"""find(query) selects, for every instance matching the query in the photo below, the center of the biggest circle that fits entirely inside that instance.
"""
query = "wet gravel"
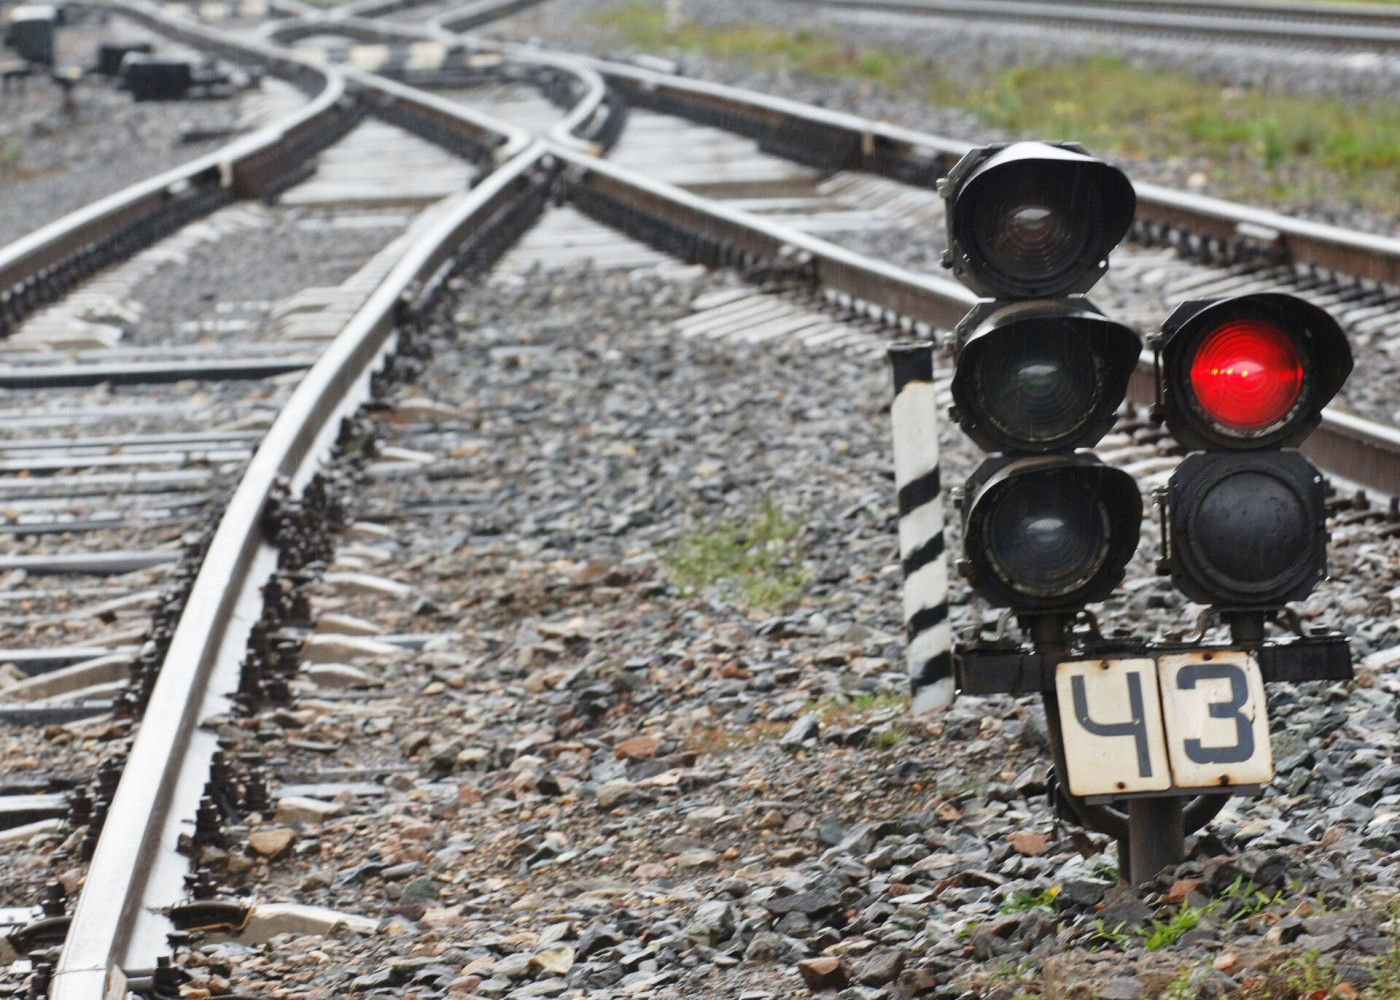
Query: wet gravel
(591, 783)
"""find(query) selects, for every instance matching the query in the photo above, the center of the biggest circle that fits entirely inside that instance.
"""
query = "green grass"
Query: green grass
(1026, 900)
(888, 736)
(842, 705)
(1304, 147)
(1165, 933)
(802, 51)
(11, 155)
(757, 560)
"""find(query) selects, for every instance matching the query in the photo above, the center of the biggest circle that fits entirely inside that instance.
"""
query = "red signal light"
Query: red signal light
(1247, 374)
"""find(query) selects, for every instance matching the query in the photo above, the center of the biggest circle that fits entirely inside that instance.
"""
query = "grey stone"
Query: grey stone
(373, 980)
(1122, 907)
(806, 903)
(1122, 988)
(516, 966)
(769, 946)
(1083, 891)
(714, 922)
(805, 728)
(596, 938)
(421, 890)
(880, 968)
(397, 873)
(830, 831)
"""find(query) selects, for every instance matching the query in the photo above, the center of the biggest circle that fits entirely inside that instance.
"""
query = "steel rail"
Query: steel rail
(841, 141)
(888, 289)
(1325, 12)
(863, 144)
(1346, 446)
(1360, 451)
(48, 249)
(143, 810)
(589, 115)
(143, 815)
(142, 806)
(473, 15)
(109, 904)
(1241, 23)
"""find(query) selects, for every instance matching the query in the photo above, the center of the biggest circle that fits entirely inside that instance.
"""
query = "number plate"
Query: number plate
(1185, 721)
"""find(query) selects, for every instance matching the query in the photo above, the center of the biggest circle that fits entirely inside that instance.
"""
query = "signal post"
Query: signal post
(1149, 737)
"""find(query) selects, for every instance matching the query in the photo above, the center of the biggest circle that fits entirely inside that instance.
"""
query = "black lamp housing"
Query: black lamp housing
(1034, 219)
(1040, 376)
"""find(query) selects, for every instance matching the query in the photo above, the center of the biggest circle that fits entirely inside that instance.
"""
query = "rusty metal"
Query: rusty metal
(226, 915)
(935, 301)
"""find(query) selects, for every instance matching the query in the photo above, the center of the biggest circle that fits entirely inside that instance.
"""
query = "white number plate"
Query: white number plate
(1186, 721)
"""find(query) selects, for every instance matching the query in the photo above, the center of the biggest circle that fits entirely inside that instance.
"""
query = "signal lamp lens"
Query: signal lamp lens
(1248, 530)
(1048, 540)
(1031, 220)
(1050, 533)
(1247, 375)
(1032, 228)
(1040, 376)
(1041, 390)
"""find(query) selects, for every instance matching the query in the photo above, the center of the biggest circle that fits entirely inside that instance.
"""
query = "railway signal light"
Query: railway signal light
(1046, 534)
(1047, 527)
(1242, 379)
(1040, 376)
(1034, 219)
(1040, 372)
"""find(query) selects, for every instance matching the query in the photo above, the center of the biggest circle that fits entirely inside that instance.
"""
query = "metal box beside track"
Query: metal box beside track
(30, 32)
(153, 78)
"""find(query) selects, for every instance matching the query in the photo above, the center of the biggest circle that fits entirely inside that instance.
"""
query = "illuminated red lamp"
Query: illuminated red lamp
(1242, 381)
(1250, 372)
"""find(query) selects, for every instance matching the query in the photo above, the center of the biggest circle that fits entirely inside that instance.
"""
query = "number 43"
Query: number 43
(1180, 721)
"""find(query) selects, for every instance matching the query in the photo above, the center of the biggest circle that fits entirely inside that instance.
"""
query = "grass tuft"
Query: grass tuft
(757, 561)
(1252, 143)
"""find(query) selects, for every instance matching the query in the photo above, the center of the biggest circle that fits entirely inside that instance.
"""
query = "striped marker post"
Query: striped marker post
(927, 630)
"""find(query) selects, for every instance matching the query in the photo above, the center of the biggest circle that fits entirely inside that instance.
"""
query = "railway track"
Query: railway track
(1373, 27)
(807, 295)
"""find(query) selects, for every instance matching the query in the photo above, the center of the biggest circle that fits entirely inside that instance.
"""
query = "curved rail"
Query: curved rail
(1355, 449)
(108, 906)
(589, 123)
(33, 269)
(143, 806)
(145, 813)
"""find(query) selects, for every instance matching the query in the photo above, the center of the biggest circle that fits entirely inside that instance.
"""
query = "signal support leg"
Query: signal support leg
(1156, 837)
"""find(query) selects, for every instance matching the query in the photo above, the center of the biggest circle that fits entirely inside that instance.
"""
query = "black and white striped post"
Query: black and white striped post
(922, 557)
